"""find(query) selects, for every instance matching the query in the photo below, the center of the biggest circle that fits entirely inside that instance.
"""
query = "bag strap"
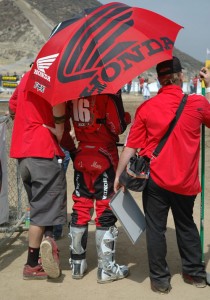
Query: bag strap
(171, 126)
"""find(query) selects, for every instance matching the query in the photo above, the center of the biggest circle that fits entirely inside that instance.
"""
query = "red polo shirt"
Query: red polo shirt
(29, 137)
(176, 167)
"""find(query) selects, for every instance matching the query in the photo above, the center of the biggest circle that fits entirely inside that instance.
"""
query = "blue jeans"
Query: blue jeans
(66, 160)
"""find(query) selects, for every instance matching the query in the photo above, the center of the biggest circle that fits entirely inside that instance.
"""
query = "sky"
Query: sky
(193, 15)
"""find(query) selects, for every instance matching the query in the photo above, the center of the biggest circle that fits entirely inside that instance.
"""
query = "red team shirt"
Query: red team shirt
(98, 119)
(176, 167)
(30, 138)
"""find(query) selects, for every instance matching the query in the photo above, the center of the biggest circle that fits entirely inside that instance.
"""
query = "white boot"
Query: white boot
(78, 267)
(77, 262)
(108, 270)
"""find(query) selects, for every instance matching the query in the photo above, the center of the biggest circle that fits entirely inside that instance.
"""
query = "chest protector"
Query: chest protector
(87, 115)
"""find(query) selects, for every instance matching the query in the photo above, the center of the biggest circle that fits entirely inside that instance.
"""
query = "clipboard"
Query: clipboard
(129, 214)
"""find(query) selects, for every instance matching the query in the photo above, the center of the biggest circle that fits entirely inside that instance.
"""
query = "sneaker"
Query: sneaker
(197, 281)
(78, 267)
(50, 257)
(36, 272)
(161, 288)
(113, 272)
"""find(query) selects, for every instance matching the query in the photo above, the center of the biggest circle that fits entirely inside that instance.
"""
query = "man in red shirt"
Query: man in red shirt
(40, 162)
(174, 181)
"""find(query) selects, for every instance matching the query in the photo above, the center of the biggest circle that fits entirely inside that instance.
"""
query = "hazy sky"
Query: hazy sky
(193, 15)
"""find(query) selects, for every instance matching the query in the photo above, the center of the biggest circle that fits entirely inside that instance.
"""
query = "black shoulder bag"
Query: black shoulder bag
(137, 171)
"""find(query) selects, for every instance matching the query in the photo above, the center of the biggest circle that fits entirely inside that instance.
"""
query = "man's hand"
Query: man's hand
(125, 156)
(52, 129)
(205, 76)
(117, 185)
(57, 131)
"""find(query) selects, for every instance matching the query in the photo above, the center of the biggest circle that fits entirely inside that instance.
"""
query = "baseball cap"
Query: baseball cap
(169, 66)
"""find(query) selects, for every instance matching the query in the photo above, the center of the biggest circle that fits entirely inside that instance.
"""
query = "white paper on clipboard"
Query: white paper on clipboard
(129, 214)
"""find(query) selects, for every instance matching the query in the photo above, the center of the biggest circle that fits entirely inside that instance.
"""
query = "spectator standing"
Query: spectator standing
(192, 88)
(129, 85)
(174, 181)
(67, 145)
(40, 162)
(141, 83)
(146, 90)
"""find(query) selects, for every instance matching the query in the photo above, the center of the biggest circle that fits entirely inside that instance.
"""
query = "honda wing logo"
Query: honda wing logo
(43, 64)
(99, 49)
(83, 56)
(92, 54)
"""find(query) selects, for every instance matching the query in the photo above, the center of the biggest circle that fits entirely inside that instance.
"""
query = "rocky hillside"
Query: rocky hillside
(25, 26)
(57, 11)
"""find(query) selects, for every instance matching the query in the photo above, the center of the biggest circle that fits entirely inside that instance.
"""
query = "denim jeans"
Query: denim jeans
(66, 159)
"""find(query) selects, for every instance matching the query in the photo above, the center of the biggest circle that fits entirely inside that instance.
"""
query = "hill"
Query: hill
(26, 24)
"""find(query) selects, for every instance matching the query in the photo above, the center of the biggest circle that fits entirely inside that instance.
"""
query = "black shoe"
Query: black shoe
(197, 281)
(161, 287)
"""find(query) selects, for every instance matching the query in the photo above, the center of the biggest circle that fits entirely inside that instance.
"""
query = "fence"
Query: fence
(16, 195)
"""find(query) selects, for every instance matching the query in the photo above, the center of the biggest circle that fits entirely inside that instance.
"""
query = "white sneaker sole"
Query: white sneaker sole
(50, 266)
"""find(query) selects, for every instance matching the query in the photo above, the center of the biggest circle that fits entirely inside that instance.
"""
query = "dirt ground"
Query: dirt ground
(136, 286)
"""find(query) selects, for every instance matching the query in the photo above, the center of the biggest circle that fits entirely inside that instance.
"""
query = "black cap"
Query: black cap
(169, 67)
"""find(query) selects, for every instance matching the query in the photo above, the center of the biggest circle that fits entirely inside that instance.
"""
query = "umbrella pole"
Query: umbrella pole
(203, 192)
(202, 198)
(202, 180)
(203, 92)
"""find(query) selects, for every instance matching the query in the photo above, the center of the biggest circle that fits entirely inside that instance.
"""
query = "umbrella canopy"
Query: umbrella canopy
(100, 52)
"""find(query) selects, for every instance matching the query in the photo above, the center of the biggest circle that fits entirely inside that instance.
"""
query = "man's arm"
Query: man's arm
(59, 113)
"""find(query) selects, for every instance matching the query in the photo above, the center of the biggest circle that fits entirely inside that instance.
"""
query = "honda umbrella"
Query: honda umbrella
(100, 52)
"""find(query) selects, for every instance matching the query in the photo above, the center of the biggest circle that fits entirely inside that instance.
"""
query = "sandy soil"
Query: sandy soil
(136, 286)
